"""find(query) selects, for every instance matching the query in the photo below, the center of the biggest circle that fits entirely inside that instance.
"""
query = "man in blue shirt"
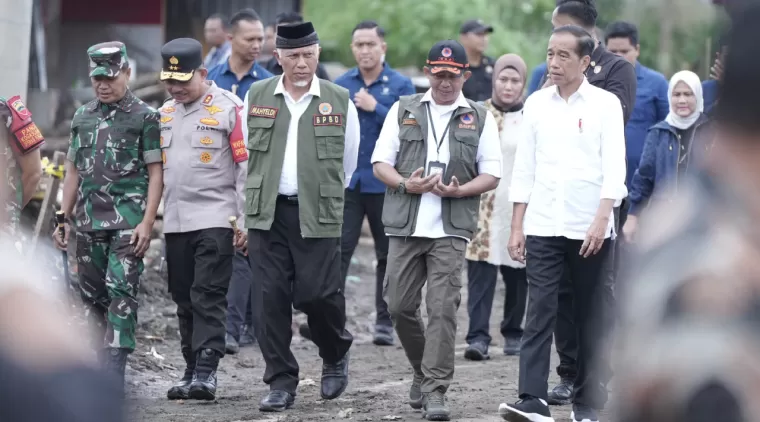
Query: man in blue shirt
(241, 70)
(536, 76)
(236, 75)
(374, 87)
(652, 103)
(215, 33)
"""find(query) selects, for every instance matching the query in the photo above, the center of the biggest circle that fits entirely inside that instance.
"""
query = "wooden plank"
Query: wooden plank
(47, 209)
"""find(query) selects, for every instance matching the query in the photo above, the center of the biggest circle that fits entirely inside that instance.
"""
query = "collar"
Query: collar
(582, 90)
(356, 74)
(460, 102)
(252, 71)
(313, 89)
(123, 104)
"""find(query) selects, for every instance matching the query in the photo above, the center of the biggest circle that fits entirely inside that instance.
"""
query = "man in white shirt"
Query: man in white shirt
(437, 153)
(303, 141)
(569, 174)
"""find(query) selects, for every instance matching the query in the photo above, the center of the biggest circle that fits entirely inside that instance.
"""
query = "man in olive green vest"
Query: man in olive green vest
(303, 142)
(437, 153)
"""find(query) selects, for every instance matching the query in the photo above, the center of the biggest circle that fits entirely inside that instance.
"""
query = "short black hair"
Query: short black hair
(622, 29)
(370, 24)
(585, 45)
(221, 17)
(584, 11)
(288, 17)
(737, 92)
(248, 15)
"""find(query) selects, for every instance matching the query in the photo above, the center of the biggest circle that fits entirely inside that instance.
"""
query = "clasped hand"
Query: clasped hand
(432, 183)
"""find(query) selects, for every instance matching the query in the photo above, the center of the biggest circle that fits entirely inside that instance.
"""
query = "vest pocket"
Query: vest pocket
(411, 149)
(329, 144)
(464, 213)
(165, 142)
(397, 207)
(260, 133)
(466, 148)
(330, 203)
(253, 194)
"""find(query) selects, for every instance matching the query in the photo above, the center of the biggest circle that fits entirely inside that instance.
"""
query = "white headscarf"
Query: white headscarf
(692, 80)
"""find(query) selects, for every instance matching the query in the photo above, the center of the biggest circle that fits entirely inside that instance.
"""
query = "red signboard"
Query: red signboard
(112, 12)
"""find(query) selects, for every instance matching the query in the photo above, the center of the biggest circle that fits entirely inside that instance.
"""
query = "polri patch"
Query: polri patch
(266, 112)
(328, 120)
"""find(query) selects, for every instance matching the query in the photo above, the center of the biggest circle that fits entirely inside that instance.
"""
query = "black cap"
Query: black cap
(475, 25)
(296, 35)
(447, 56)
(181, 57)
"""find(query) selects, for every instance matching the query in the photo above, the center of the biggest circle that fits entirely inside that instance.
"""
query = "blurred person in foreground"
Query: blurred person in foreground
(273, 65)
(374, 88)
(473, 35)
(215, 32)
(111, 191)
(690, 298)
(487, 253)
(672, 148)
(47, 372)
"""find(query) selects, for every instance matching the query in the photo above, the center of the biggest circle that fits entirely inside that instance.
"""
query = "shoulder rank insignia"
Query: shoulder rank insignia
(166, 119)
(168, 110)
(208, 99)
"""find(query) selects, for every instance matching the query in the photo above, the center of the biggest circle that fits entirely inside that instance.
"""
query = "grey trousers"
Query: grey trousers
(413, 261)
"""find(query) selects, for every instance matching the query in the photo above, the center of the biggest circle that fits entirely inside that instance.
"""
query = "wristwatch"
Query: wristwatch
(401, 187)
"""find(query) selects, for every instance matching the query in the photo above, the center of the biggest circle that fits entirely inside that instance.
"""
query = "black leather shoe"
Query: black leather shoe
(304, 331)
(231, 345)
(477, 351)
(334, 378)
(247, 338)
(383, 336)
(276, 401)
(203, 386)
(181, 390)
(115, 363)
(512, 346)
(562, 394)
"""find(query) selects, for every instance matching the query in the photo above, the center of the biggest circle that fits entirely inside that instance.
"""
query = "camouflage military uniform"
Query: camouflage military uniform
(111, 145)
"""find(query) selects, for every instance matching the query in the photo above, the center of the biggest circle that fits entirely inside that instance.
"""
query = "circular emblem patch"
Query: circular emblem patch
(325, 108)
(205, 158)
(446, 52)
(466, 118)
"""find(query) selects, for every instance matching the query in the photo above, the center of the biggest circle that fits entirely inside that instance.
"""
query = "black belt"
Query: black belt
(290, 199)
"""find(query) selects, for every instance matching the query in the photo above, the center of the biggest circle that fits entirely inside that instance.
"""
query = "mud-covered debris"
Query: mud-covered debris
(391, 418)
(346, 413)
(308, 382)
(154, 353)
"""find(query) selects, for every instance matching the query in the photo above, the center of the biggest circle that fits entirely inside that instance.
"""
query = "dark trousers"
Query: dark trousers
(481, 287)
(547, 259)
(200, 267)
(298, 272)
(358, 205)
(239, 297)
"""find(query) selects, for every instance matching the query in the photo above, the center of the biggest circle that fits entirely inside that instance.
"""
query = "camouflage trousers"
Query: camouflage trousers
(109, 277)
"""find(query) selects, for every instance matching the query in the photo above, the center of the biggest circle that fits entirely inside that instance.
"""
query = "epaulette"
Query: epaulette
(234, 98)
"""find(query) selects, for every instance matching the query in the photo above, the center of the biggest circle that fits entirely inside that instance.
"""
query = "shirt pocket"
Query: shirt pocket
(330, 142)
(85, 129)
(260, 133)
(122, 152)
(206, 149)
(411, 148)
(165, 141)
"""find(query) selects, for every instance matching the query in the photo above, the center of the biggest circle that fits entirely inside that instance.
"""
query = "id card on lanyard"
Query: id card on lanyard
(437, 167)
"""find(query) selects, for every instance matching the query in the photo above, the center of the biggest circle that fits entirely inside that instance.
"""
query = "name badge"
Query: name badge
(328, 120)
(436, 167)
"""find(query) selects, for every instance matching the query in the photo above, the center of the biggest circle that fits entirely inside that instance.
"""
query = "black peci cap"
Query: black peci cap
(448, 56)
(181, 57)
(476, 26)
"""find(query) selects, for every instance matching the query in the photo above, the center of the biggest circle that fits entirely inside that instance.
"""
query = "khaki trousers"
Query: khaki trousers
(412, 261)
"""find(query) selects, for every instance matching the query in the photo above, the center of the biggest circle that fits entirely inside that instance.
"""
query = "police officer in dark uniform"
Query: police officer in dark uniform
(473, 35)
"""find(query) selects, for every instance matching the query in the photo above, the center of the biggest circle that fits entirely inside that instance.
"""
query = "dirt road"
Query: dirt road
(379, 376)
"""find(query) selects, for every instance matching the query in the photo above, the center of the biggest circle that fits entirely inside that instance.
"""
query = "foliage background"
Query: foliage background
(520, 26)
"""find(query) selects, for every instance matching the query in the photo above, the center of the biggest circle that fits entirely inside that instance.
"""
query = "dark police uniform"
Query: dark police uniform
(480, 85)
(205, 163)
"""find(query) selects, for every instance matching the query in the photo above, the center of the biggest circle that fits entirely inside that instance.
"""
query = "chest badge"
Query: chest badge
(597, 69)
(325, 108)
(206, 140)
(208, 99)
(385, 78)
(209, 121)
(168, 109)
(205, 158)
(489, 69)
(266, 112)
(212, 109)
(166, 119)
(386, 90)
(467, 120)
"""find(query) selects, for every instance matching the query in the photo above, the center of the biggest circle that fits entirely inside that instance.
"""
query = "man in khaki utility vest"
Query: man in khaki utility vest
(437, 153)
(204, 158)
(303, 142)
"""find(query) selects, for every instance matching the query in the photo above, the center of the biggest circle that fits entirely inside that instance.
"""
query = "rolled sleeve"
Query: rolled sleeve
(489, 149)
(524, 171)
(151, 138)
(351, 144)
(613, 153)
(387, 145)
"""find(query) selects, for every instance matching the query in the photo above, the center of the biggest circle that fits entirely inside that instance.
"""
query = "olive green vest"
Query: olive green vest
(321, 140)
(459, 215)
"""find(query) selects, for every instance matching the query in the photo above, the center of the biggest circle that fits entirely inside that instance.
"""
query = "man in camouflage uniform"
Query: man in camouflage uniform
(21, 171)
(113, 185)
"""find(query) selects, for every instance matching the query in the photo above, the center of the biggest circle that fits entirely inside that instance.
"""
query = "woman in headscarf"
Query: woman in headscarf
(671, 148)
(487, 253)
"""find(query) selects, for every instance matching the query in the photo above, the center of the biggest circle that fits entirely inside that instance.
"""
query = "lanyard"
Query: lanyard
(432, 128)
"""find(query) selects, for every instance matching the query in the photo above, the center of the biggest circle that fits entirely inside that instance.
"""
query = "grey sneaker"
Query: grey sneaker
(415, 392)
(435, 407)
(477, 351)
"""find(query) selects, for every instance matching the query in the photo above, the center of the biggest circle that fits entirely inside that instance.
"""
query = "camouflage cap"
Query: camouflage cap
(108, 59)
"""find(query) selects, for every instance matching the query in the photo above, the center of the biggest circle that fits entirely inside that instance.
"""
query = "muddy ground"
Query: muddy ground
(379, 376)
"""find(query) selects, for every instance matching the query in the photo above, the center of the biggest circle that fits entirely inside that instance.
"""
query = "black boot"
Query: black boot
(203, 386)
(115, 363)
(181, 390)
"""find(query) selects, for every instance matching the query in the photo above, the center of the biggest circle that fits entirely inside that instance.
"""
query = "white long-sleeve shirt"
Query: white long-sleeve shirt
(570, 156)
